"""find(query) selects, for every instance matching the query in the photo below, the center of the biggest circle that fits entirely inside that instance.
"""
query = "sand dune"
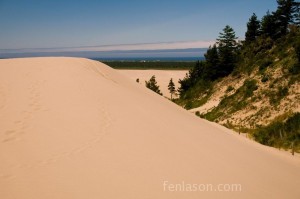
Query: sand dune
(74, 128)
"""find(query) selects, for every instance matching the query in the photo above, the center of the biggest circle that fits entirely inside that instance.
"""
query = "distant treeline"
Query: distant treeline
(160, 65)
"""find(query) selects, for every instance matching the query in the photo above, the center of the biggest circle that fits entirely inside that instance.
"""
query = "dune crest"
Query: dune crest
(74, 128)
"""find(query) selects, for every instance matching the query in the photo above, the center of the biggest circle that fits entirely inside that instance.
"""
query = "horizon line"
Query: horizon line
(119, 47)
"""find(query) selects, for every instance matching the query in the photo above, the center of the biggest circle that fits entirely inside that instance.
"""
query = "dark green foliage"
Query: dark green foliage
(280, 134)
(264, 64)
(276, 97)
(249, 87)
(212, 56)
(253, 29)
(227, 47)
(152, 85)
(297, 48)
(229, 89)
(171, 88)
(176, 65)
(295, 69)
(265, 78)
(212, 63)
(283, 15)
(268, 25)
(193, 77)
(220, 62)
(275, 25)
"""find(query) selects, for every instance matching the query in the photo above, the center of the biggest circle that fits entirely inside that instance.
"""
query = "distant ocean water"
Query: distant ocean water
(191, 54)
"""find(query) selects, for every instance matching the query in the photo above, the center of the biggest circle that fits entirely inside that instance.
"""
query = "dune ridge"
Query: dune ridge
(74, 128)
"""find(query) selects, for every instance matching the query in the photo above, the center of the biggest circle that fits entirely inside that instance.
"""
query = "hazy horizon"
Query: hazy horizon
(187, 54)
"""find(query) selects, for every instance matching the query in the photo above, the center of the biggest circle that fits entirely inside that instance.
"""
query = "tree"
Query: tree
(196, 72)
(171, 88)
(212, 56)
(227, 47)
(185, 85)
(284, 15)
(212, 63)
(253, 29)
(268, 25)
(152, 85)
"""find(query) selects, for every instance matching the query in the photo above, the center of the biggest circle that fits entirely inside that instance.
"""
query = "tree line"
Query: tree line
(222, 58)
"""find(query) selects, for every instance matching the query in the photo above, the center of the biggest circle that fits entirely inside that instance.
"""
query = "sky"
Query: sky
(56, 24)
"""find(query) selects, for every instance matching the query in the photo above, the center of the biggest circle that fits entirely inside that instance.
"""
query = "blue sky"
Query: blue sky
(74, 23)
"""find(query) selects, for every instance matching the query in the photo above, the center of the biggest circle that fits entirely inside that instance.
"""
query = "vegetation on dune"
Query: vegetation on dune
(268, 65)
(152, 85)
(281, 134)
(171, 88)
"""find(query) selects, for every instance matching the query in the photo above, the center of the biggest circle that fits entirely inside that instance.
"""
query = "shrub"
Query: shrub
(264, 79)
(264, 64)
(295, 69)
(229, 89)
(276, 97)
(250, 86)
(280, 134)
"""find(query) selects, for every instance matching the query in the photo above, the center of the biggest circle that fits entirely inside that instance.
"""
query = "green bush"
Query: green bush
(264, 64)
(229, 89)
(249, 87)
(276, 97)
(280, 134)
(264, 79)
(295, 69)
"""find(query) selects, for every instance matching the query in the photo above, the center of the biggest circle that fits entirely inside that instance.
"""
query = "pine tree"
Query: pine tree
(171, 88)
(196, 72)
(212, 56)
(185, 85)
(284, 15)
(152, 85)
(268, 25)
(212, 63)
(227, 47)
(253, 29)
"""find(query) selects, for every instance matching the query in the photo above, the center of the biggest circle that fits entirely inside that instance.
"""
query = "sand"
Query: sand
(73, 128)
(162, 77)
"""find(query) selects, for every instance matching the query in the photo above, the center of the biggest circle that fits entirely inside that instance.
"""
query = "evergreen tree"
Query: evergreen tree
(227, 47)
(253, 29)
(196, 72)
(212, 63)
(284, 15)
(152, 85)
(185, 85)
(268, 25)
(212, 56)
(171, 88)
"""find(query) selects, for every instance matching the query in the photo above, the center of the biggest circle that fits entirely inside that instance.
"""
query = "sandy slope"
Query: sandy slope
(162, 77)
(73, 128)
